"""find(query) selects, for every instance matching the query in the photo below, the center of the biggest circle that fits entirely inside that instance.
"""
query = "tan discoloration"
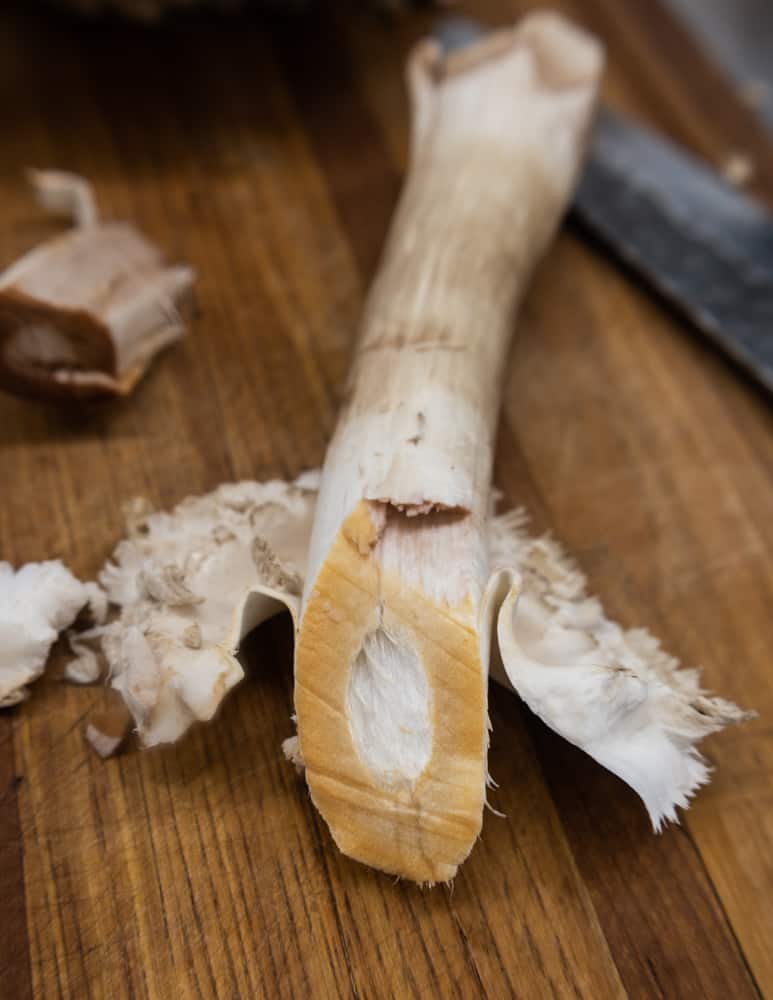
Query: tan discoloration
(192, 636)
(425, 831)
(363, 527)
(396, 340)
(86, 336)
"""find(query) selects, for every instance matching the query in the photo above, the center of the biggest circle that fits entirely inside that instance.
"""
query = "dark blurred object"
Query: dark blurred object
(738, 34)
(704, 246)
(153, 10)
(683, 228)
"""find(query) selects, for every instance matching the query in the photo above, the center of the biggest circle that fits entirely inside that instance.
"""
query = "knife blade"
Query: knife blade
(696, 240)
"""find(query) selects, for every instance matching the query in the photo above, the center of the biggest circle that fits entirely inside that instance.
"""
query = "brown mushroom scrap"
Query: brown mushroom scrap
(84, 314)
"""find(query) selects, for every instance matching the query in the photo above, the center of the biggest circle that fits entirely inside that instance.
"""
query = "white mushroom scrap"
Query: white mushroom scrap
(190, 585)
(37, 602)
(613, 692)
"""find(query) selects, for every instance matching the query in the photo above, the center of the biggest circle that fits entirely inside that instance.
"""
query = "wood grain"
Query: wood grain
(269, 156)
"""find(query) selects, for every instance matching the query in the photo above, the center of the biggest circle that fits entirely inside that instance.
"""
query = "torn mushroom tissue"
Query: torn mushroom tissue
(613, 692)
(189, 585)
(171, 652)
(37, 602)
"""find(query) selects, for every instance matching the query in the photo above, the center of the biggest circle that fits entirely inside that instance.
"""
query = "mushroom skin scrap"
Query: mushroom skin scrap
(613, 692)
(188, 586)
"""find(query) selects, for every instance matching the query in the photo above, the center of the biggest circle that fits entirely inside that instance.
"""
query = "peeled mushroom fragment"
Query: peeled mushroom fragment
(189, 586)
(84, 314)
(37, 602)
(613, 692)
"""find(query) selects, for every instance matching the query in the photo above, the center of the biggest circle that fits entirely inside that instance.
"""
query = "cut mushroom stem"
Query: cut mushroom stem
(84, 313)
(392, 651)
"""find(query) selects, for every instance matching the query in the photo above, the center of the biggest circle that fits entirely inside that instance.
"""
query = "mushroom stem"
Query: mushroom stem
(392, 657)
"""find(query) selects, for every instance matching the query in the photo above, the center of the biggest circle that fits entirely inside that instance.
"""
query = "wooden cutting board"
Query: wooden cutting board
(270, 157)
